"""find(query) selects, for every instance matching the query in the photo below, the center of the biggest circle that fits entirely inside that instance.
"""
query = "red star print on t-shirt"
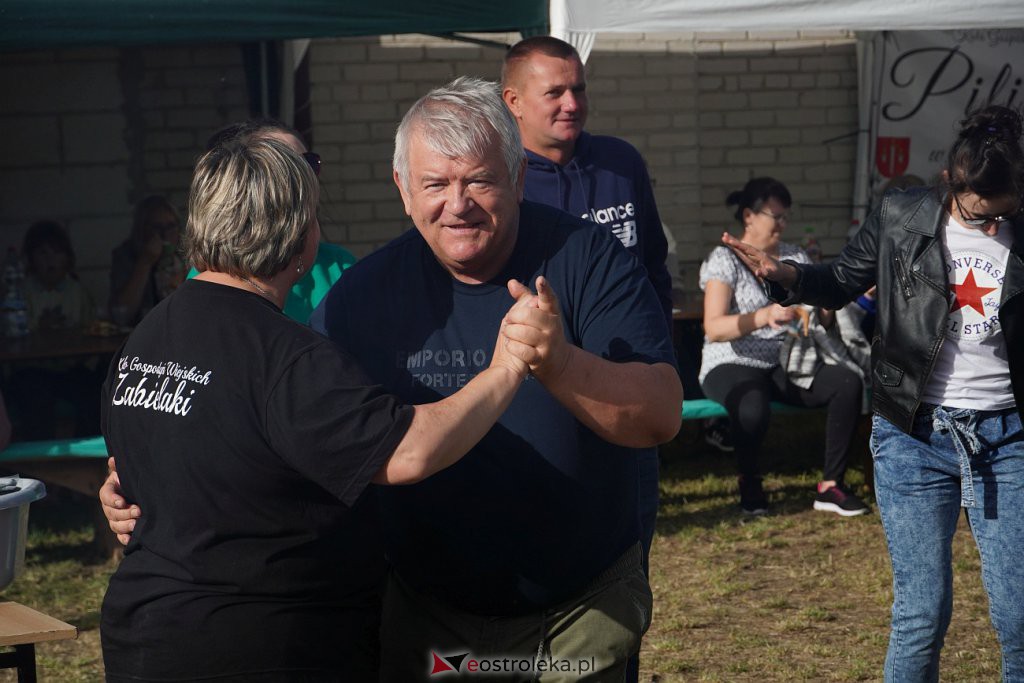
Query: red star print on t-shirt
(969, 294)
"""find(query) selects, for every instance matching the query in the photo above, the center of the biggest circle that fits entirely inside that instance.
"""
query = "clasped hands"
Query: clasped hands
(531, 335)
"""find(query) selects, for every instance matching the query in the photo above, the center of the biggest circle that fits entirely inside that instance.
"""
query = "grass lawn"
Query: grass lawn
(795, 596)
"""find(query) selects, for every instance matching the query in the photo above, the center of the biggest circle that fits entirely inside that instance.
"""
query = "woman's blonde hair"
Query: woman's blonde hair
(250, 208)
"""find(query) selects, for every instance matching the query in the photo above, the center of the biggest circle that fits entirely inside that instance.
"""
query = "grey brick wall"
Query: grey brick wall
(92, 131)
(780, 104)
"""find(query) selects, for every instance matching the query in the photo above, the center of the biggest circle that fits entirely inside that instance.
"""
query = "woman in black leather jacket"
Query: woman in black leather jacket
(947, 381)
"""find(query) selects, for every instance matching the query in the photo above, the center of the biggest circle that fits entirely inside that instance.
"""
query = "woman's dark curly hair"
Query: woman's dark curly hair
(756, 193)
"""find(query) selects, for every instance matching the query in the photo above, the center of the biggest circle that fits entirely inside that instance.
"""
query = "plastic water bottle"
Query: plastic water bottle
(812, 247)
(15, 308)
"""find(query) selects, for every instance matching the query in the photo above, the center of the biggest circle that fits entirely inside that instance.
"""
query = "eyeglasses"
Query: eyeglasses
(314, 161)
(981, 221)
(777, 217)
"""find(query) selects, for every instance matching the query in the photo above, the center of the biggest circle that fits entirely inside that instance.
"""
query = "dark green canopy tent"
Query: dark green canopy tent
(40, 24)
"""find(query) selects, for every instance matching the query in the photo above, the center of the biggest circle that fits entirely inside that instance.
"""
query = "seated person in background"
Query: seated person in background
(740, 366)
(331, 259)
(147, 266)
(56, 301)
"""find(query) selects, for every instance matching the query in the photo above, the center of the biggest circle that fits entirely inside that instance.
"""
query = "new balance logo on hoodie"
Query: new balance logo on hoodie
(620, 218)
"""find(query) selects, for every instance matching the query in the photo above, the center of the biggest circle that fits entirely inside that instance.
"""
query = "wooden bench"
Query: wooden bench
(21, 628)
(705, 408)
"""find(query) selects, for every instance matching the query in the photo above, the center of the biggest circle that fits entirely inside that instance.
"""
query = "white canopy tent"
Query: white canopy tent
(577, 21)
(640, 16)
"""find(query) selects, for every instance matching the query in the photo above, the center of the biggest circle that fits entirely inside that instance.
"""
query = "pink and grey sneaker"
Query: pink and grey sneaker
(840, 500)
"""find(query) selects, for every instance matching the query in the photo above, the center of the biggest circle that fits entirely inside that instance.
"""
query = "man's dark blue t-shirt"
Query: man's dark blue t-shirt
(541, 505)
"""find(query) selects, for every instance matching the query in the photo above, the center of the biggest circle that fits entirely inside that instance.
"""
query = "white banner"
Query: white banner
(645, 16)
(927, 81)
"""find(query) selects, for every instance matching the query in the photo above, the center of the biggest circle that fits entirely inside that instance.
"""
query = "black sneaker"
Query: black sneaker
(716, 433)
(839, 500)
(752, 498)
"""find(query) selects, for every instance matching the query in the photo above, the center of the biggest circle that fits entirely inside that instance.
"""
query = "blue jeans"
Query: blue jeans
(954, 458)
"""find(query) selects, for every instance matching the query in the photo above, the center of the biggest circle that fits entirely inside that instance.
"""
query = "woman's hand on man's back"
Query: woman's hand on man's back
(120, 514)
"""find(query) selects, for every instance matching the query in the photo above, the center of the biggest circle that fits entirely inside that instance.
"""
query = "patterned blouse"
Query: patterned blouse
(760, 348)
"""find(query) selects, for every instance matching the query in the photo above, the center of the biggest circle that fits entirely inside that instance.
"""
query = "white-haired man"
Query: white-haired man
(533, 545)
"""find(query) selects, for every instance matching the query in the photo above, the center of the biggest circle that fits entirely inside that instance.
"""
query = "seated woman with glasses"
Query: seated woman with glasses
(148, 266)
(743, 335)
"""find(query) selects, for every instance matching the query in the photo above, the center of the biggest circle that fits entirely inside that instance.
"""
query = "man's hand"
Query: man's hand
(534, 330)
(632, 404)
(116, 509)
(761, 264)
(508, 353)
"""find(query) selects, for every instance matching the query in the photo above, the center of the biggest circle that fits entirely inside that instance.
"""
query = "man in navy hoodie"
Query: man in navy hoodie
(597, 177)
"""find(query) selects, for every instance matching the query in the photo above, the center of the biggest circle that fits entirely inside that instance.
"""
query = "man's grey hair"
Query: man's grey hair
(460, 120)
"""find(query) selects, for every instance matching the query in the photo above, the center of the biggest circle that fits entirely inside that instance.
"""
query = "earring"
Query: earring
(299, 268)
